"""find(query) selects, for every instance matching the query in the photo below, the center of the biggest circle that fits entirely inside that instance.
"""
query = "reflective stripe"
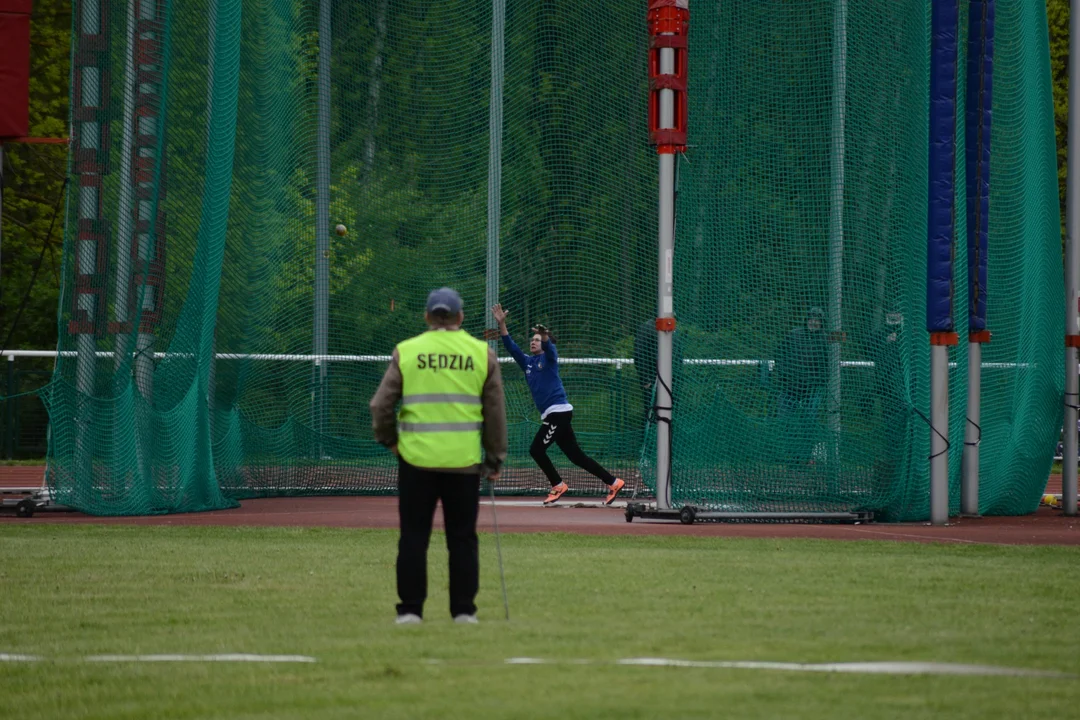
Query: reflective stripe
(440, 427)
(441, 398)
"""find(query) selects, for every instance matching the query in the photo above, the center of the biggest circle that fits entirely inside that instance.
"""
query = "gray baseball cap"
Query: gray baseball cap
(444, 299)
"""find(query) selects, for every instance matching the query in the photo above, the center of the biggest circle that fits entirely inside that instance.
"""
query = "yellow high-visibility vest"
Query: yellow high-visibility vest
(441, 416)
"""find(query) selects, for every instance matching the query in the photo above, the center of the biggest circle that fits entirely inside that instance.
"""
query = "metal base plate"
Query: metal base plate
(28, 500)
(689, 514)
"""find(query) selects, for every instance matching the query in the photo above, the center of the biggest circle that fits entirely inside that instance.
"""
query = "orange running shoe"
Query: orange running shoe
(557, 491)
(613, 491)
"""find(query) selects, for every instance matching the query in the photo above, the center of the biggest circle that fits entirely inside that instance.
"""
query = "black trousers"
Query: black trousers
(418, 492)
(557, 429)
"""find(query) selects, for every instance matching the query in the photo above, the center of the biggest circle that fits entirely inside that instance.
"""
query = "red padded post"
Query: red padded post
(14, 68)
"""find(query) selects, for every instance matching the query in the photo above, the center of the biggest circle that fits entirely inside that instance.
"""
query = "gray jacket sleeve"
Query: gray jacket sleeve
(383, 402)
(494, 419)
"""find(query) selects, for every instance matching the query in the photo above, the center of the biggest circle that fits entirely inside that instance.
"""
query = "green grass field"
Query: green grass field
(70, 591)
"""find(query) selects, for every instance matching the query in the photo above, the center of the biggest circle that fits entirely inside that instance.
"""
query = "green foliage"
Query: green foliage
(1057, 12)
(33, 182)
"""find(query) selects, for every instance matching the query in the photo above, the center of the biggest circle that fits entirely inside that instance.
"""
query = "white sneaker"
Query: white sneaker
(467, 619)
(408, 619)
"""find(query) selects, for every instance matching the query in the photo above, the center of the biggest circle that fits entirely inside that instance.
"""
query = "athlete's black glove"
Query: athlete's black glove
(544, 332)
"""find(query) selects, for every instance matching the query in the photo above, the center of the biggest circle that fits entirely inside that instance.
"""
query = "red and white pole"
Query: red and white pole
(140, 232)
(668, 27)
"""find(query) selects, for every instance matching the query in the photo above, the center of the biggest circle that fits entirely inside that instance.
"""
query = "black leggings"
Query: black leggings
(556, 428)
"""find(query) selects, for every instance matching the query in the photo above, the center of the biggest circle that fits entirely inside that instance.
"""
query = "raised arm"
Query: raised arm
(515, 351)
(511, 347)
(548, 346)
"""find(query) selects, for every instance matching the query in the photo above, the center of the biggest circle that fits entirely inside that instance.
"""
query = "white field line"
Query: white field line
(869, 668)
(227, 657)
(865, 668)
(927, 538)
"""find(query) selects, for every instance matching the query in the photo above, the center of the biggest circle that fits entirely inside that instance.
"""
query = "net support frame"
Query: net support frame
(90, 145)
(125, 207)
(320, 329)
(668, 22)
(1072, 279)
(939, 434)
(665, 305)
(494, 197)
(969, 487)
(941, 229)
(665, 288)
(978, 120)
(836, 226)
(140, 274)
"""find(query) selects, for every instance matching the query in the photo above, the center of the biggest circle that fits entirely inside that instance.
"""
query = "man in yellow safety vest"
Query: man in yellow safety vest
(449, 432)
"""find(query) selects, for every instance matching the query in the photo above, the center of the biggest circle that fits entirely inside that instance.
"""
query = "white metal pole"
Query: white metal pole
(969, 489)
(1072, 272)
(939, 434)
(86, 253)
(495, 129)
(85, 365)
(144, 341)
(211, 388)
(124, 219)
(836, 223)
(322, 222)
(147, 239)
(666, 303)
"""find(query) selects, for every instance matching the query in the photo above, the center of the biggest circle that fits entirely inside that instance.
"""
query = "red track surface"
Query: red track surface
(1045, 527)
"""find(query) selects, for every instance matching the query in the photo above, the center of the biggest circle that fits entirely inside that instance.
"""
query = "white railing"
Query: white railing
(617, 362)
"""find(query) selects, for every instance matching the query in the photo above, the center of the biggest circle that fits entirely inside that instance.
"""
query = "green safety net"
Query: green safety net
(774, 230)
(220, 340)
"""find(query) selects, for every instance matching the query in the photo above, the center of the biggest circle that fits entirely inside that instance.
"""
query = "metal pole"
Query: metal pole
(211, 387)
(977, 123)
(939, 434)
(144, 341)
(124, 224)
(495, 129)
(941, 228)
(969, 489)
(9, 416)
(86, 251)
(149, 232)
(836, 223)
(1072, 274)
(322, 222)
(665, 304)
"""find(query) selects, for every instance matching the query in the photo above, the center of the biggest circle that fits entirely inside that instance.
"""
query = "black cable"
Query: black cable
(978, 440)
(936, 431)
(1070, 405)
(656, 416)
